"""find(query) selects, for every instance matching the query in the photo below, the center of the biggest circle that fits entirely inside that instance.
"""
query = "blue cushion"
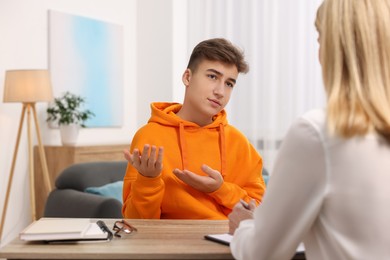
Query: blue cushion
(266, 179)
(112, 190)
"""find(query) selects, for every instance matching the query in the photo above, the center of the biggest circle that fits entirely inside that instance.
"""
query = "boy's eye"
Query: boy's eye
(229, 84)
(212, 76)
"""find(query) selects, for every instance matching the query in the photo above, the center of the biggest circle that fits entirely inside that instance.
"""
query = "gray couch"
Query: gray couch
(69, 198)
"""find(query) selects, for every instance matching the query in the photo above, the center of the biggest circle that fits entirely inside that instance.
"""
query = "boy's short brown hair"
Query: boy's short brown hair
(218, 49)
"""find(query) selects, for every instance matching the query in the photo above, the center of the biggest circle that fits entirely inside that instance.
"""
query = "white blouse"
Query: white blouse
(331, 193)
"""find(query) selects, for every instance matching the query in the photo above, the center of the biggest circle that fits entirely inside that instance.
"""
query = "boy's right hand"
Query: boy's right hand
(147, 165)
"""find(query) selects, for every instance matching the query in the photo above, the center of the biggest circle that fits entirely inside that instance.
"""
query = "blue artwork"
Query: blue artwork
(86, 58)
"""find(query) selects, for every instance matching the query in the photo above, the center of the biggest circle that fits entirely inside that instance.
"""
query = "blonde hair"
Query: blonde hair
(355, 59)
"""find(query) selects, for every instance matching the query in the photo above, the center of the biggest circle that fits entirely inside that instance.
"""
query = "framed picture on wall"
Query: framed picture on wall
(86, 58)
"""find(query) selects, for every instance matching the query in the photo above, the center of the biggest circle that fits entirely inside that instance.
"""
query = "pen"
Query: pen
(105, 229)
(244, 203)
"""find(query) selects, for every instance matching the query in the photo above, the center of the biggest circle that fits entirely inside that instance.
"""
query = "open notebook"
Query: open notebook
(65, 229)
(227, 238)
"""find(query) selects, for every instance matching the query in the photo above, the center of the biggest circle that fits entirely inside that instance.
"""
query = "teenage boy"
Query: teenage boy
(188, 162)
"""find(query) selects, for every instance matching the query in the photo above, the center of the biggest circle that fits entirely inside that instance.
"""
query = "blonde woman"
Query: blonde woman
(330, 185)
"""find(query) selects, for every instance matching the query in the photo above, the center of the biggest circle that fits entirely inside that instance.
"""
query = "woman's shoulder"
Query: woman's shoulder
(315, 118)
(309, 126)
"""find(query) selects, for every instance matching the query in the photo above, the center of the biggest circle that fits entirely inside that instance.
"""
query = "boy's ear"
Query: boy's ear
(186, 77)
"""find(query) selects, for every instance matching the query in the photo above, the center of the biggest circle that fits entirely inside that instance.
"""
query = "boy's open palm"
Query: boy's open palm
(147, 164)
(207, 184)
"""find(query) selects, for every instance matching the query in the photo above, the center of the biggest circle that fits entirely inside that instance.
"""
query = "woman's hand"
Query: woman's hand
(240, 213)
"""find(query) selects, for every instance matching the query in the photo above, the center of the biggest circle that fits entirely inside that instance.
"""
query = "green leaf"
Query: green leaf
(67, 109)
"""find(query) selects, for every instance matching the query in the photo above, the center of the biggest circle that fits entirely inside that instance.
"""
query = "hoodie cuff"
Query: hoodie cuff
(220, 194)
(148, 182)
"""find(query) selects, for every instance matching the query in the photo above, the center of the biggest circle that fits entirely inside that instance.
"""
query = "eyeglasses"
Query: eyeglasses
(123, 226)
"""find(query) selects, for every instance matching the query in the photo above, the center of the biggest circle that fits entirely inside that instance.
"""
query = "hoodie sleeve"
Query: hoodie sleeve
(142, 196)
(243, 179)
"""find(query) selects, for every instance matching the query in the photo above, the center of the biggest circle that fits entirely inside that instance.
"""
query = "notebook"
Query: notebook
(65, 229)
(226, 239)
(220, 238)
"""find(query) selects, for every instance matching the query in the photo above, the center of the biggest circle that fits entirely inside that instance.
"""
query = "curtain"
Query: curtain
(280, 44)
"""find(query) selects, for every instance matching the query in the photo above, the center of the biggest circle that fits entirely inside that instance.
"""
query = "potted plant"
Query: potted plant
(67, 112)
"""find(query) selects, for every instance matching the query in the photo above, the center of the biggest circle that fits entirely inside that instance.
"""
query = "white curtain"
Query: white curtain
(280, 43)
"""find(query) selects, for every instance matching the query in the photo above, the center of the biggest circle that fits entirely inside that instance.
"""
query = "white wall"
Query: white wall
(24, 45)
(154, 41)
(162, 53)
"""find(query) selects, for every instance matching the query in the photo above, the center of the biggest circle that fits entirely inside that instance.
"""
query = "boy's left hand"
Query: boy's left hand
(207, 184)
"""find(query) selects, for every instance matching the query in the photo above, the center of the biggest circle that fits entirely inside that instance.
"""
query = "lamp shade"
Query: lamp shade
(27, 86)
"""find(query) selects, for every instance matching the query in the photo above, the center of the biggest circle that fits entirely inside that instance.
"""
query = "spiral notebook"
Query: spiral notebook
(66, 229)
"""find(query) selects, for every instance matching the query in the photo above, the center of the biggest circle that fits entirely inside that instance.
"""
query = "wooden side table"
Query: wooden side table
(60, 157)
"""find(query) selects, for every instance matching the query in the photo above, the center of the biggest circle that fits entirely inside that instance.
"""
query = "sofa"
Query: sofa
(88, 190)
(91, 190)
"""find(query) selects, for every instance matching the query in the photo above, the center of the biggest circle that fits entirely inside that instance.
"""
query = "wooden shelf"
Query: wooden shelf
(60, 157)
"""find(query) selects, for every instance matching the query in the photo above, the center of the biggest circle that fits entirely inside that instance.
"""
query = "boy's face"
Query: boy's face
(208, 88)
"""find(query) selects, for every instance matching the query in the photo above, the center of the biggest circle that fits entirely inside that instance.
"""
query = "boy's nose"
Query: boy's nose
(219, 90)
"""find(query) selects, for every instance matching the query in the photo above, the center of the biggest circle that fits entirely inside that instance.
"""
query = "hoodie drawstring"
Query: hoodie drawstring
(183, 147)
(223, 149)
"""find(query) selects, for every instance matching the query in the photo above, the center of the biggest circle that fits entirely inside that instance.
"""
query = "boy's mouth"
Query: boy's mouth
(214, 101)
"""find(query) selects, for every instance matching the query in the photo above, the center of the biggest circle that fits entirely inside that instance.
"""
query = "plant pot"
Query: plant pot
(69, 134)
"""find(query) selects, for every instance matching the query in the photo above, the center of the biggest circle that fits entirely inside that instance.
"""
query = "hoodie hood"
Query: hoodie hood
(165, 114)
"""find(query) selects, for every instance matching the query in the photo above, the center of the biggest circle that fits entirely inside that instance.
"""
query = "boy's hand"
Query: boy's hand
(207, 184)
(147, 165)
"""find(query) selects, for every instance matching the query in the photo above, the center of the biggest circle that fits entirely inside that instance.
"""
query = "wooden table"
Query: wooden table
(155, 239)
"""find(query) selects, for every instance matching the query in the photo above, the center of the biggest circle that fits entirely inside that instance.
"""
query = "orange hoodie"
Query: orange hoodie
(188, 146)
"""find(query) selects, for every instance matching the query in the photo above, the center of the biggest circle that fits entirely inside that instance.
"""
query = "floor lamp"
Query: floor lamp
(27, 87)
